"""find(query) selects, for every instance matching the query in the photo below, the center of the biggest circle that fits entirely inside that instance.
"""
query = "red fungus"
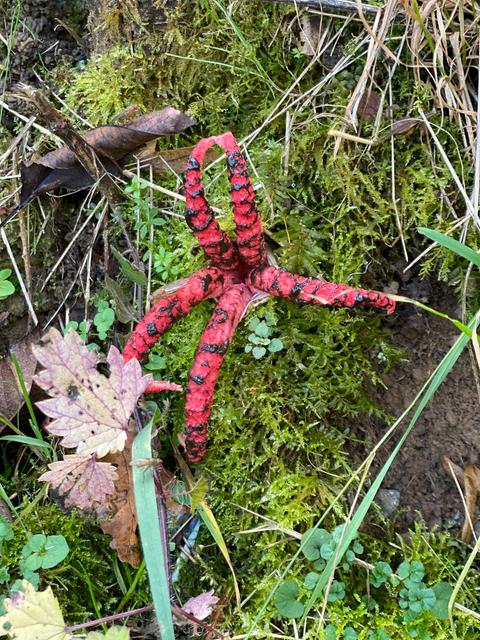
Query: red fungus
(238, 271)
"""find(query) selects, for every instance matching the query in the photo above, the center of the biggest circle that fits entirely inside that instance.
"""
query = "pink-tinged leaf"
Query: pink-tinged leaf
(90, 410)
(84, 482)
(201, 606)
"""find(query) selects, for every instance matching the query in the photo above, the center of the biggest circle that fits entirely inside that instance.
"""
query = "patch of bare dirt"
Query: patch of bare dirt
(450, 423)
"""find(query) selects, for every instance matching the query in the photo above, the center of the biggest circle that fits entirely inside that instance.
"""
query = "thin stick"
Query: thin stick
(337, 5)
(31, 310)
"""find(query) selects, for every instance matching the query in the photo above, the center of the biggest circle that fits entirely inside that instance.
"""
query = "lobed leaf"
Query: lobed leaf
(85, 482)
(90, 410)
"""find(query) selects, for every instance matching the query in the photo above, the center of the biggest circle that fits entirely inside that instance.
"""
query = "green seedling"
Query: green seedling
(261, 340)
(103, 319)
(6, 287)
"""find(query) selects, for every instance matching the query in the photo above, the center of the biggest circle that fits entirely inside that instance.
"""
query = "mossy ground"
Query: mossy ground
(277, 434)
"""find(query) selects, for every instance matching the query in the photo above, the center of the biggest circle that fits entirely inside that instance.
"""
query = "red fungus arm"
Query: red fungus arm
(282, 284)
(204, 373)
(206, 283)
(248, 225)
(218, 247)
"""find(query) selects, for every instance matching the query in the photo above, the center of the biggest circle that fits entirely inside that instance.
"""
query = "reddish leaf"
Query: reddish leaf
(85, 482)
(112, 143)
(201, 606)
(122, 526)
(90, 410)
(369, 105)
(11, 398)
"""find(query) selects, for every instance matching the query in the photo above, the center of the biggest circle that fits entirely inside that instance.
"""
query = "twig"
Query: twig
(345, 6)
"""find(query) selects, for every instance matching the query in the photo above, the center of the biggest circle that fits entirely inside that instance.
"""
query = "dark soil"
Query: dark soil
(449, 424)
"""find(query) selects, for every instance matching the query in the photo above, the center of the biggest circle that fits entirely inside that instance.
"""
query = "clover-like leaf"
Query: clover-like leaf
(337, 591)
(43, 552)
(33, 615)
(85, 482)
(442, 591)
(286, 600)
(258, 352)
(311, 580)
(275, 345)
(90, 410)
(349, 633)
(262, 329)
(6, 531)
(312, 541)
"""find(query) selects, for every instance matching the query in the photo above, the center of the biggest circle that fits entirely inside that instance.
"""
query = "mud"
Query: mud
(449, 425)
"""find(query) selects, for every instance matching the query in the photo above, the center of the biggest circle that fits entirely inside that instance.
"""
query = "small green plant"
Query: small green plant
(261, 340)
(39, 552)
(165, 263)
(80, 327)
(103, 319)
(146, 214)
(6, 287)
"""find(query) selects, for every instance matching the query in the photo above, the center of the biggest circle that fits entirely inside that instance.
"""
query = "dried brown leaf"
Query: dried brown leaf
(84, 482)
(169, 159)
(11, 398)
(90, 410)
(469, 479)
(122, 526)
(112, 143)
(369, 105)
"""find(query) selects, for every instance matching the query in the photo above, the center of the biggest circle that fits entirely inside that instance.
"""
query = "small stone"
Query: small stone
(388, 500)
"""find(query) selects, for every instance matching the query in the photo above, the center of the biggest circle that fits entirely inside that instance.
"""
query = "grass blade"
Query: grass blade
(30, 442)
(452, 244)
(150, 534)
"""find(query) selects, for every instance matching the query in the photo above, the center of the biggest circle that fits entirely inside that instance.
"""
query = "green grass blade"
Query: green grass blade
(31, 442)
(352, 527)
(150, 534)
(33, 418)
(452, 244)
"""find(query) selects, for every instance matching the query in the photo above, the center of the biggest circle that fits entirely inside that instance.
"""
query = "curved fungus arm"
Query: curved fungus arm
(248, 225)
(282, 284)
(199, 216)
(206, 283)
(204, 373)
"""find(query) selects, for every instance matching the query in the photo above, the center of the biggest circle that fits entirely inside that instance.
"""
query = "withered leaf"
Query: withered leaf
(169, 159)
(123, 524)
(369, 105)
(84, 482)
(469, 479)
(11, 397)
(112, 143)
(90, 410)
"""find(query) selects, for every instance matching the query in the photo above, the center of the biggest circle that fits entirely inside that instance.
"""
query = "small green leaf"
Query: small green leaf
(128, 270)
(311, 580)
(4, 575)
(6, 531)
(286, 600)
(5, 273)
(330, 632)
(6, 288)
(258, 352)
(44, 552)
(312, 541)
(275, 345)
(442, 591)
(337, 591)
(349, 633)
(262, 329)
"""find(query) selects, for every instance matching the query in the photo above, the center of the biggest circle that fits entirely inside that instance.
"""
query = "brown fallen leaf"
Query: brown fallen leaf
(123, 524)
(169, 159)
(469, 479)
(369, 105)
(11, 397)
(112, 143)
